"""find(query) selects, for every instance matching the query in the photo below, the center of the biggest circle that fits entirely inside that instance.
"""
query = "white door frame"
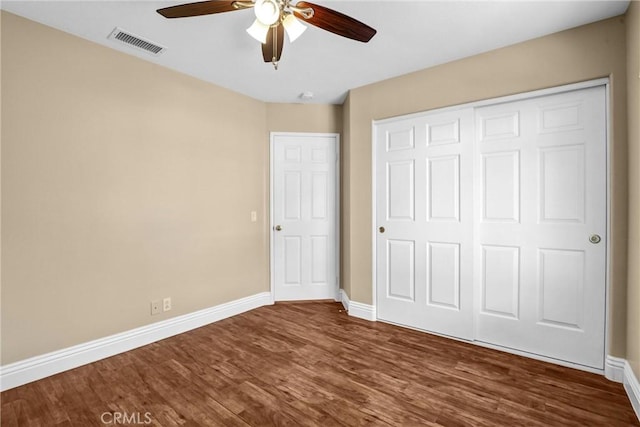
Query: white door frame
(272, 137)
(609, 167)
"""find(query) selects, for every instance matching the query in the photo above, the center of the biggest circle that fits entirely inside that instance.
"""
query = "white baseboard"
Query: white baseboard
(344, 298)
(618, 370)
(632, 387)
(358, 309)
(361, 311)
(614, 368)
(38, 367)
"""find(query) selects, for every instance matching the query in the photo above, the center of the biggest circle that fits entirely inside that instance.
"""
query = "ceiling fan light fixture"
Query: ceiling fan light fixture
(258, 31)
(293, 27)
(267, 11)
(275, 17)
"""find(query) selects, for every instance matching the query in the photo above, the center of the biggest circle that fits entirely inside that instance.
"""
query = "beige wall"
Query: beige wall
(304, 118)
(588, 52)
(122, 182)
(116, 186)
(633, 93)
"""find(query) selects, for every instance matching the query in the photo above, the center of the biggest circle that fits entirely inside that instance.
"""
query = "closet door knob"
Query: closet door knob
(595, 239)
(381, 229)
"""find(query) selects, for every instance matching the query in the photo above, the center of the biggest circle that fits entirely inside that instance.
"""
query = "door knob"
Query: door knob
(381, 229)
(278, 228)
(594, 238)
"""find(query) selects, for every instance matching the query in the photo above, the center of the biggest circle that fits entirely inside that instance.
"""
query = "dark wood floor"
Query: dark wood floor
(312, 365)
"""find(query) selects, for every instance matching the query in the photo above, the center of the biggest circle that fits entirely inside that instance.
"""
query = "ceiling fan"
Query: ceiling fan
(274, 17)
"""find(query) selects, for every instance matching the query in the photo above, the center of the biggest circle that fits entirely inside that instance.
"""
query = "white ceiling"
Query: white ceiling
(412, 35)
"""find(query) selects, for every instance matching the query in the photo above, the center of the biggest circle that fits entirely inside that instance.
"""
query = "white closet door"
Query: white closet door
(424, 222)
(540, 196)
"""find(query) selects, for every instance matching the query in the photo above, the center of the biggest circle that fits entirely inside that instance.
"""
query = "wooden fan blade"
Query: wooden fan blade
(197, 9)
(336, 22)
(268, 47)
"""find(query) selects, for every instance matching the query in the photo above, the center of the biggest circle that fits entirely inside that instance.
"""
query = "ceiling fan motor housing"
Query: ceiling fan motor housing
(274, 17)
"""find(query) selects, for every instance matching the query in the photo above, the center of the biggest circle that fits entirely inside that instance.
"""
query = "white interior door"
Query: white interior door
(540, 196)
(304, 216)
(424, 220)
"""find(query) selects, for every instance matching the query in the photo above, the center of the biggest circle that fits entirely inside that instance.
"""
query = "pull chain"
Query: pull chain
(275, 47)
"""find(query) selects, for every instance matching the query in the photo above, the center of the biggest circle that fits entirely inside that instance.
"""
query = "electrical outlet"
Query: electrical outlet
(166, 304)
(156, 306)
(254, 216)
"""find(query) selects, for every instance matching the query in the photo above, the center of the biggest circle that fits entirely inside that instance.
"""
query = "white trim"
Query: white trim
(614, 369)
(38, 367)
(632, 387)
(357, 309)
(338, 217)
(362, 311)
(619, 370)
(374, 216)
(272, 272)
(344, 298)
(272, 136)
(609, 226)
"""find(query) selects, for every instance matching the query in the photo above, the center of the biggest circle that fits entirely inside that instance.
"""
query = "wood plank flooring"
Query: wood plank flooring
(312, 365)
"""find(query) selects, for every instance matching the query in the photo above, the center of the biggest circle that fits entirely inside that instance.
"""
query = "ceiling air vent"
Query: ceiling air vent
(136, 41)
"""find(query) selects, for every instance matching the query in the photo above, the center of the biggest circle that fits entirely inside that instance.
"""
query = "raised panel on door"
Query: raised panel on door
(319, 154)
(440, 132)
(292, 195)
(304, 217)
(443, 275)
(562, 184)
(319, 259)
(561, 282)
(400, 190)
(319, 194)
(292, 261)
(501, 186)
(540, 195)
(401, 270)
(292, 153)
(561, 116)
(402, 138)
(443, 188)
(500, 294)
(498, 126)
(423, 203)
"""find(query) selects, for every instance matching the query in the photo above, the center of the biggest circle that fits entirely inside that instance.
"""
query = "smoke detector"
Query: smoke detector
(306, 96)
